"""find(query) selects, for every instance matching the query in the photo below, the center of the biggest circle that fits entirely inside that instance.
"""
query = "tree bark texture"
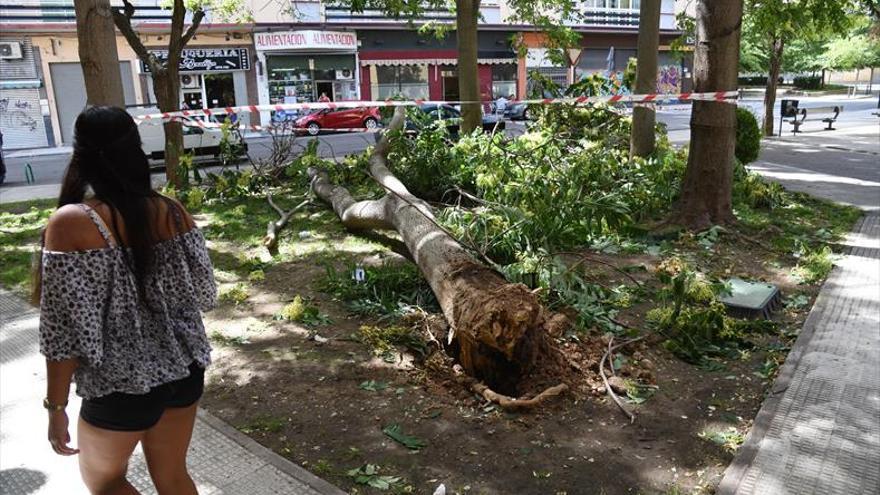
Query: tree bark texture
(466, 14)
(97, 53)
(498, 326)
(166, 76)
(776, 47)
(644, 119)
(708, 182)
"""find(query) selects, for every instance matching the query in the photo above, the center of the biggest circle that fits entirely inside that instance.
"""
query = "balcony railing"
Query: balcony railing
(28, 11)
(611, 17)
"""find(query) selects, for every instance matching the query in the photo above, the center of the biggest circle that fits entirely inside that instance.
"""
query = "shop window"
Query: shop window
(503, 80)
(408, 81)
(299, 79)
(219, 90)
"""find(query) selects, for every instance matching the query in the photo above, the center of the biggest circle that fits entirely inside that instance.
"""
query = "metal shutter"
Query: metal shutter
(21, 119)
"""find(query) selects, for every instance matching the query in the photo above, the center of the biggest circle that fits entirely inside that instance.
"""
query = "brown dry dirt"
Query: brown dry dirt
(302, 398)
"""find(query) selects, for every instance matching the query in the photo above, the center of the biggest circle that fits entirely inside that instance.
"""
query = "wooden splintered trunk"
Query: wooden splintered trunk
(498, 326)
(708, 182)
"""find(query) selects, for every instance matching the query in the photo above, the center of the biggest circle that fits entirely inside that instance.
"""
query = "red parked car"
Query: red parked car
(340, 118)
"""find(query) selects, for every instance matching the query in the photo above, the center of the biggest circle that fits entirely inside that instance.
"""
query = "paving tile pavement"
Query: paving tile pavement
(222, 460)
(818, 432)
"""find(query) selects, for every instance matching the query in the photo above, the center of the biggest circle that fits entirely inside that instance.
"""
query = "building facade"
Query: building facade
(304, 52)
(23, 101)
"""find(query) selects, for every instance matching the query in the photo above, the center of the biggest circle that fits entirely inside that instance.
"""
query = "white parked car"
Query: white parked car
(202, 142)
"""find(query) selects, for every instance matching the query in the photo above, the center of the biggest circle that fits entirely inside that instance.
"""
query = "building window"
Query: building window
(408, 81)
(614, 4)
(503, 80)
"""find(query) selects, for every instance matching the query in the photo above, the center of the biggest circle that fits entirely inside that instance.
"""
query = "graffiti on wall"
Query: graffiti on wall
(16, 114)
(669, 79)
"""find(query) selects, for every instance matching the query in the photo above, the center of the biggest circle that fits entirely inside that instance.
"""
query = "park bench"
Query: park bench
(796, 115)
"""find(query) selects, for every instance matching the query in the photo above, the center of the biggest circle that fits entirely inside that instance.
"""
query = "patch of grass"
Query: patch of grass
(300, 311)
(322, 467)
(257, 276)
(265, 424)
(384, 340)
(814, 265)
(237, 294)
(228, 341)
(20, 227)
(387, 290)
(799, 220)
(729, 439)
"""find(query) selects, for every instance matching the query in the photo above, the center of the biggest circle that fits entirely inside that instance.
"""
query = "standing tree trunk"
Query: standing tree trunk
(167, 97)
(499, 326)
(466, 14)
(166, 78)
(642, 139)
(776, 46)
(97, 53)
(708, 181)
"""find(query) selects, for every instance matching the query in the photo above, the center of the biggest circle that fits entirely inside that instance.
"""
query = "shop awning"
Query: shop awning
(21, 84)
(435, 61)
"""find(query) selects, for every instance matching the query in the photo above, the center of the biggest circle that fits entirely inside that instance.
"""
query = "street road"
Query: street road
(49, 167)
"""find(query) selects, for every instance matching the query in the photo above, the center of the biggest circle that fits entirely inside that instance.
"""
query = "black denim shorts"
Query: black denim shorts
(136, 412)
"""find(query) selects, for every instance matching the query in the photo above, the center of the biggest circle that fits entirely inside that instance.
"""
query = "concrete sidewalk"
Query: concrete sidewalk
(222, 460)
(818, 431)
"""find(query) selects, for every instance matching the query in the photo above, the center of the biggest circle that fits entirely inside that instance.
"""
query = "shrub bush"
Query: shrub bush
(808, 82)
(748, 136)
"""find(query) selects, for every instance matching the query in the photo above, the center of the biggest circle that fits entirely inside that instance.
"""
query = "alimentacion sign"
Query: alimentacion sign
(305, 39)
(208, 59)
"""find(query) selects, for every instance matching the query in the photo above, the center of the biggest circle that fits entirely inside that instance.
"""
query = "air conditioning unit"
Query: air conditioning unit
(190, 81)
(10, 50)
(344, 74)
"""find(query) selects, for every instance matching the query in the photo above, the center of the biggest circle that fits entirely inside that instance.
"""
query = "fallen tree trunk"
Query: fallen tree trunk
(498, 326)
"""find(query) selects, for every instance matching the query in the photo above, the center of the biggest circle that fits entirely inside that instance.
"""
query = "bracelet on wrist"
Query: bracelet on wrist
(53, 407)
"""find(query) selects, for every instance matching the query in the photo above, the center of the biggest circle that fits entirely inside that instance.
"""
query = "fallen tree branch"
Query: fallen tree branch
(274, 228)
(608, 389)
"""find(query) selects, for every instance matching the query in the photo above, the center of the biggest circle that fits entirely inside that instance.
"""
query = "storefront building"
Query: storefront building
(210, 77)
(404, 63)
(606, 51)
(216, 70)
(22, 95)
(306, 66)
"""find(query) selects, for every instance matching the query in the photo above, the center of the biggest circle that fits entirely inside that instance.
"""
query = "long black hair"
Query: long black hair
(108, 158)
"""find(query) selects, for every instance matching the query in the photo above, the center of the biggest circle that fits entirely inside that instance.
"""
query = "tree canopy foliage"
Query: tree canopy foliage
(818, 35)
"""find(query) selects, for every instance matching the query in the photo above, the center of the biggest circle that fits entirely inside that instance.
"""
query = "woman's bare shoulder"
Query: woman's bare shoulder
(71, 229)
(185, 215)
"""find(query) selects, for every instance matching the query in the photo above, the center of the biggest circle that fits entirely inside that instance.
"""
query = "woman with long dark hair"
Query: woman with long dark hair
(123, 278)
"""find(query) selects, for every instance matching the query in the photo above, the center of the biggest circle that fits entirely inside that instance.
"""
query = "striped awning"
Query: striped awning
(21, 84)
(435, 61)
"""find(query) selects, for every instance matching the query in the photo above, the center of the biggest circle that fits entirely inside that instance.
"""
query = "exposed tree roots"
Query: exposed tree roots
(505, 402)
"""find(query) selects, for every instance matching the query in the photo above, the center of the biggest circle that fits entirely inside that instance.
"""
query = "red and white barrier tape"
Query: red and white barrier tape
(259, 128)
(721, 96)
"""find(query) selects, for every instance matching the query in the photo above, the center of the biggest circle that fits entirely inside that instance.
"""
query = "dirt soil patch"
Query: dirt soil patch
(321, 398)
